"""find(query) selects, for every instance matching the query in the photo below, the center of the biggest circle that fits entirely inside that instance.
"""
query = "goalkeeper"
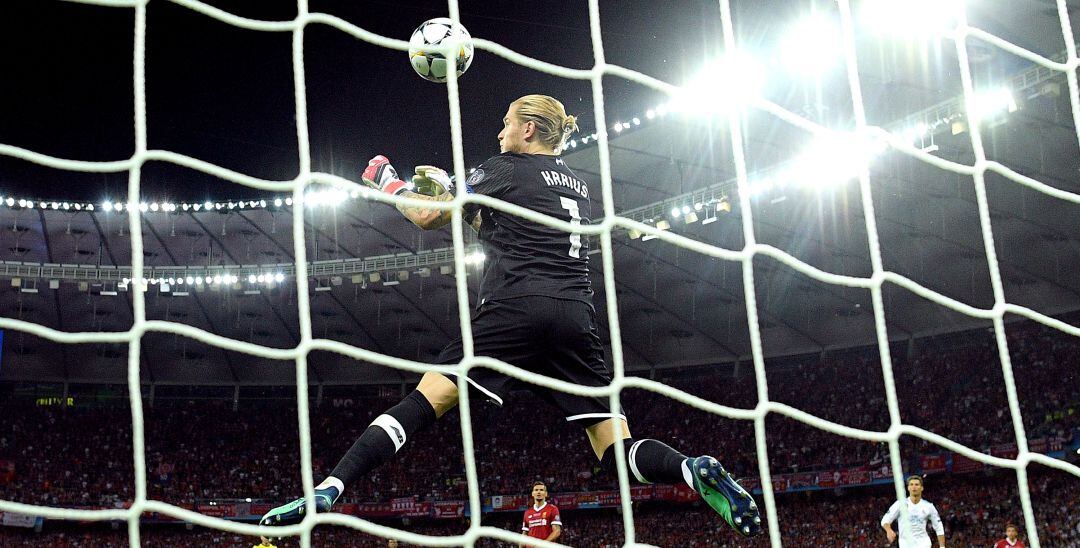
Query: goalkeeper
(534, 311)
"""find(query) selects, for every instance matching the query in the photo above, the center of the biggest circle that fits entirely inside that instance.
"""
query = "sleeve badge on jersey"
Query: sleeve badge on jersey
(475, 177)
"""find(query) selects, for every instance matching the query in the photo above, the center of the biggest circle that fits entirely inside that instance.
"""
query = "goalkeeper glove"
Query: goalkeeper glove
(380, 175)
(432, 181)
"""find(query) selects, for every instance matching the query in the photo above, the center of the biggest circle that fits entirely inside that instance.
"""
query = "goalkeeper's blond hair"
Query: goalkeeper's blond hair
(553, 124)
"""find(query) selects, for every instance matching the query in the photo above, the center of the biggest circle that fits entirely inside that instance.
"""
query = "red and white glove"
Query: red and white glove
(380, 175)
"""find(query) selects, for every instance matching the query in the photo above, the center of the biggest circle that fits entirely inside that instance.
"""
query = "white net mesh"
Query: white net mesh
(306, 176)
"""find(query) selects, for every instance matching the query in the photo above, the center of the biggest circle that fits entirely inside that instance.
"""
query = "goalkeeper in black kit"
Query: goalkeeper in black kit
(534, 311)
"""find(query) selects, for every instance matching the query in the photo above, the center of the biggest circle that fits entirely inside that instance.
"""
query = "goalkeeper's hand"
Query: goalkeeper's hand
(382, 176)
(432, 181)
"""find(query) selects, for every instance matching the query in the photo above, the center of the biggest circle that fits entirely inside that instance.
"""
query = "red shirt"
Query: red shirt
(538, 521)
(1004, 543)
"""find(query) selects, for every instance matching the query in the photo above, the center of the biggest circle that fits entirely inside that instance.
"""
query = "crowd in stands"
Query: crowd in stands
(207, 449)
(974, 511)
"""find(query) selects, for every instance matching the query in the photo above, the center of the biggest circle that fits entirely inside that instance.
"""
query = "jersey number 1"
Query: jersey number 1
(570, 204)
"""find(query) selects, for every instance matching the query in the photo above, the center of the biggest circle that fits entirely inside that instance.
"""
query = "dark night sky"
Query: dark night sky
(225, 95)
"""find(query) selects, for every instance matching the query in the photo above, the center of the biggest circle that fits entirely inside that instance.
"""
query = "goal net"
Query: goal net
(961, 35)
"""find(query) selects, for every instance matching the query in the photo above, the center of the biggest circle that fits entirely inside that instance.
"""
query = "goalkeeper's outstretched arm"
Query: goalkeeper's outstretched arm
(430, 218)
(440, 188)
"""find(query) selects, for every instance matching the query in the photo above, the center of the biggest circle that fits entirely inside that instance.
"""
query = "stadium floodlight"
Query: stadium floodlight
(662, 224)
(710, 216)
(690, 217)
(721, 85)
(208, 205)
(475, 257)
(650, 114)
(760, 186)
(675, 212)
(252, 278)
(811, 46)
(831, 161)
(920, 19)
(991, 102)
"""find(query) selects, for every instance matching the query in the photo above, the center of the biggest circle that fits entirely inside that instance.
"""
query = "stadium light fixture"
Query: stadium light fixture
(918, 19)
(829, 162)
(662, 224)
(811, 46)
(991, 102)
(725, 83)
(675, 212)
(710, 216)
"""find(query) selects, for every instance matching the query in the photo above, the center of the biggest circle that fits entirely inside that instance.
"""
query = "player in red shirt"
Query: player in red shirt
(1011, 540)
(542, 519)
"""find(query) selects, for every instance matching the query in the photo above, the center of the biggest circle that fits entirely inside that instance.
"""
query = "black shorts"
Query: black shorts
(554, 337)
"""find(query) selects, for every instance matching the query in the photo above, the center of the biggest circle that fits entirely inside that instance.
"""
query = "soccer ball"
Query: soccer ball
(431, 65)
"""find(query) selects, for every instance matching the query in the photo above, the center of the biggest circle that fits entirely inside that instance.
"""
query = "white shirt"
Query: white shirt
(913, 533)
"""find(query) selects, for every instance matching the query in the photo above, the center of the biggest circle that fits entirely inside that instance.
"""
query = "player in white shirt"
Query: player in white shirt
(913, 531)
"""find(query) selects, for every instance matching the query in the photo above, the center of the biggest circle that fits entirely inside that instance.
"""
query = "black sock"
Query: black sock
(649, 461)
(385, 437)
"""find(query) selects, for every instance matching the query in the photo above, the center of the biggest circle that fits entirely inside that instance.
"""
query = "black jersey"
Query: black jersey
(524, 257)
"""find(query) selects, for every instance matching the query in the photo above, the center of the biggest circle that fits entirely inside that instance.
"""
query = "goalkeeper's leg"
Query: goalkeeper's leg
(434, 396)
(652, 461)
